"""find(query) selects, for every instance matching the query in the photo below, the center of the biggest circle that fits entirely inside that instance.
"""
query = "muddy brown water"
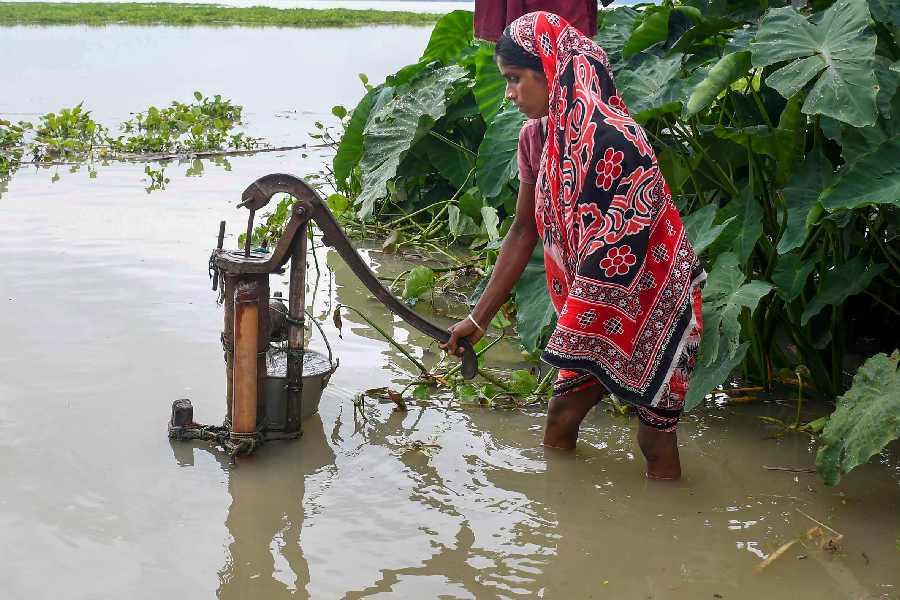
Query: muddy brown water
(107, 317)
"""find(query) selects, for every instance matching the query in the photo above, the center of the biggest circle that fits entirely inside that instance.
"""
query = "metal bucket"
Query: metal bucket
(317, 370)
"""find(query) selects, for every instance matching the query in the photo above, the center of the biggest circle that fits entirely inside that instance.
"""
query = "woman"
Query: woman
(621, 272)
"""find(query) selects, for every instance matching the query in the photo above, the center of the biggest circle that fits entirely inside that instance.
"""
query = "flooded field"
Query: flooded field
(107, 317)
(403, 5)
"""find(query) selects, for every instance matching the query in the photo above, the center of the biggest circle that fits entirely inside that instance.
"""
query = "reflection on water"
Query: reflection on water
(265, 557)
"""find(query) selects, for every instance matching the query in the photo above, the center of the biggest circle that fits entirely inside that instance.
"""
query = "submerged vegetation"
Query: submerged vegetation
(777, 131)
(72, 137)
(126, 13)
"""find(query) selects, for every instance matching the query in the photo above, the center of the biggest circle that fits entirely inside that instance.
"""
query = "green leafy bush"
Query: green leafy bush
(203, 125)
(777, 130)
(11, 147)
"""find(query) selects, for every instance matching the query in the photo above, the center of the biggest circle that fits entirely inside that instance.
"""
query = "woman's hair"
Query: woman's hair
(516, 56)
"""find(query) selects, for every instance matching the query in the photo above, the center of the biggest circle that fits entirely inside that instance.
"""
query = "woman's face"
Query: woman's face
(526, 88)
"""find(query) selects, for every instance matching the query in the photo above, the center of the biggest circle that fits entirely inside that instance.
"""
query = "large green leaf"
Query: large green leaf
(840, 283)
(452, 163)
(791, 273)
(802, 199)
(707, 377)
(840, 47)
(452, 34)
(729, 69)
(788, 154)
(888, 85)
(858, 141)
(615, 30)
(700, 229)
(724, 296)
(866, 420)
(759, 139)
(655, 86)
(676, 168)
(742, 218)
(874, 178)
(490, 87)
(886, 12)
(350, 149)
(496, 163)
(535, 312)
(654, 28)
(397, 125)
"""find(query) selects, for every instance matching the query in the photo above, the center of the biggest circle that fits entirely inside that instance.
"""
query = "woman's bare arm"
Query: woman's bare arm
(514, 256)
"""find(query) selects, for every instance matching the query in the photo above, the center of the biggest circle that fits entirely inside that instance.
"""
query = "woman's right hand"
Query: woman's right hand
(463, 329)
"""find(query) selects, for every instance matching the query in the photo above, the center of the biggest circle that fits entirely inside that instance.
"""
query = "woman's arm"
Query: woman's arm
(514, 256)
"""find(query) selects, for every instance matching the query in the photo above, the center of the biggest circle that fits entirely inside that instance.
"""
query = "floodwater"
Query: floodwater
(390, 5)
(107, 317)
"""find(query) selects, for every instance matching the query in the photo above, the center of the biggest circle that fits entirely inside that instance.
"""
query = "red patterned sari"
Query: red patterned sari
(621, 272)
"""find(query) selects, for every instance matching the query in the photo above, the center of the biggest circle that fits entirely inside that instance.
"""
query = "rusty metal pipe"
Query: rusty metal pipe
(246, 344)
(296, 333)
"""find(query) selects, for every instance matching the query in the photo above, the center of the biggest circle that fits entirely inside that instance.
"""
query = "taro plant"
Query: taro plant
(776, 127)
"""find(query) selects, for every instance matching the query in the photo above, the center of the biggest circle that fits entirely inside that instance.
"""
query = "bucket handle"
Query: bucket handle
(315, 322)
(324, 338)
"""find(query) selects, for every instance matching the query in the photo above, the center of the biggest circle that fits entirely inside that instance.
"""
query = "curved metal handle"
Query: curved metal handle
(310, 206)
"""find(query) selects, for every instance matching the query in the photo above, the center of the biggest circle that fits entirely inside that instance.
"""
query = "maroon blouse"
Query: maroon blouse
(492, 16)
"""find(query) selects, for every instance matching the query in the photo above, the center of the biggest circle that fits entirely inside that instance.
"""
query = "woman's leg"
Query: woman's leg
(660, 449)
(565, 414)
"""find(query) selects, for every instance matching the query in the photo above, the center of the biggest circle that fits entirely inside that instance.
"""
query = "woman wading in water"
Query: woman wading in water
(621, 272)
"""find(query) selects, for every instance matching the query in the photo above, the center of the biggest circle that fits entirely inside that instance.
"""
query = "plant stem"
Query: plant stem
(447, 140)
(882, 302)
(799, 400)
(387, 337)
(416, 213)
(491, 379)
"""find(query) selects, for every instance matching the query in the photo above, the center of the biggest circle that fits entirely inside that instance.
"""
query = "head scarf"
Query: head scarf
(620, 268)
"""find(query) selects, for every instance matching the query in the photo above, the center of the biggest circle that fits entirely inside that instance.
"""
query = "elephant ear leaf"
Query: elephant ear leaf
(451, 35)
(873, 178)
(700, 229)
(351, 148)
(867, 419)
(656, 87)
(838, 52)
(840, 283)
(396, 125)
(497, 161)
(535, 313)
(490, 86)
(615, 31)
